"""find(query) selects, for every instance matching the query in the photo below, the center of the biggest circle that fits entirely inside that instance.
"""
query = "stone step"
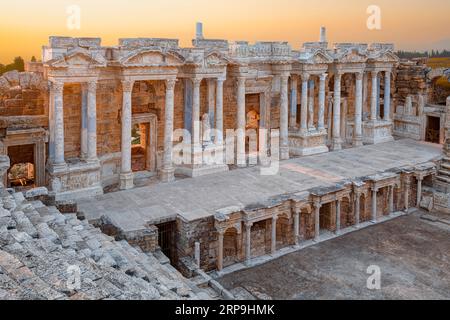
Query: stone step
(443, 178)
(444, 172)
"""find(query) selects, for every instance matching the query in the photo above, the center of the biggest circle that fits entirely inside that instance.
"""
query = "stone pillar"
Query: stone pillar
(84, 130)
(419, 190)
(220, 253)
(92, 121)
(373, 101)
(126, 175)
(374, 204)
(387, 96)
(219, 111)
(357, 208)
(196, 140)
(58, 90)
(311, 105)
(336, 143)
(211, 101)
(273, 247)
(321, 115)
(317, 206)
(365, 89)
(296, 226)
(338, 216)
(167, 171)
(391, 200)
(357, 129)
(407, 186)
(293, 114)
(240, 125)
(284, 113)
(248, 247)
(304, 104)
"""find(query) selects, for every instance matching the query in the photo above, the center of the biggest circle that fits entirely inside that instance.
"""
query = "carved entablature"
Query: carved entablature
(312, 59)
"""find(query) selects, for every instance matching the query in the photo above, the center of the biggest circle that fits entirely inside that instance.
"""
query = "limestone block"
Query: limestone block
(36, 192)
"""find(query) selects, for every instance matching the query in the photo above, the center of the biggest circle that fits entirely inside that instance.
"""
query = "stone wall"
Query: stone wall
(410, 79)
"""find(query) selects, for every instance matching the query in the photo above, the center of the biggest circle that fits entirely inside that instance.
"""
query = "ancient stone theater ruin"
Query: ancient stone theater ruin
(316, 142)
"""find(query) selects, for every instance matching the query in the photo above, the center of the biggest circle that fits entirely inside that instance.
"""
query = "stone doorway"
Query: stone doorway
(230, 247)
(327, 218)
(433, 129)
(143, 148)
(166, 240)
(21, 175)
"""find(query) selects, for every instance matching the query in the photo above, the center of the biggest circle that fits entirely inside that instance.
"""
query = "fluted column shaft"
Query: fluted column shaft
(336, 142)
(127, 88)
(387, 96)
(168, 124)
(84, 130)
(357, 134)
(284, 125)
(304, 104)
(240, 125)
(321, 115)
(311, 105)
(219, 111)
(373, 104)
(58, 89)
(293, 114)
(92, 121)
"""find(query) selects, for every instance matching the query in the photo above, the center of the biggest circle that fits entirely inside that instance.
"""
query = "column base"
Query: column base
(336, 144)
(126, 181)
(167, 175)
(358, 142)
(377, 131)
(305, 143)
(284, 153)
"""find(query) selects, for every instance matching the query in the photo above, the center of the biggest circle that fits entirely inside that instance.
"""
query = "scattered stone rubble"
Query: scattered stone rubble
(38, 244)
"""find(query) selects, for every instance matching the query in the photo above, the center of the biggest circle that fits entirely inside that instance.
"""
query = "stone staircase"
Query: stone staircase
(444, 172)
(39, 245)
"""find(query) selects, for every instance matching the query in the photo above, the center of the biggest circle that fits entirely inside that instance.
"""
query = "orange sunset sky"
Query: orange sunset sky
(415, 24)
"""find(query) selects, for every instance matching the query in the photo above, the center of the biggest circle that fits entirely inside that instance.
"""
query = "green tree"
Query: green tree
(33, 59)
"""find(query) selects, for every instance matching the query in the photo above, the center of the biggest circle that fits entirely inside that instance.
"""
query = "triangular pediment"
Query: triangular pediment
(386, 57)
(353, 56)
(152, 58)
(320, 57)
(215, 59)
(78, 58)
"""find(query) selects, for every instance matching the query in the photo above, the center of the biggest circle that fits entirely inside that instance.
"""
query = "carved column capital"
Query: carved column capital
(127, 85)
(170, 84)
(240, 81)
(56, 86)
(248, 224)
(196, 82)
(91, 86)
(323, 76)
(317, 205)
(305, 76)
(374, 74)
(359, 76)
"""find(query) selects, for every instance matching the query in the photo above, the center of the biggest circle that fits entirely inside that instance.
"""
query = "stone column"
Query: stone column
(219, 111)
(92, 121)
(284, 113)
(84, 130)
(273, 247)
(365, 89)
(167, 171)
(304, 105)
(317, 206)
(296, 226)
(357, 129)
(126, 175)
(58, 89)
(391, 199)
(357, 208)
(407, 186)
(248, 247)
(311, 105)
(211, 101)
(374, 204)
(373, 101)
(321, 115)
(240, 125)
(196, 139)
(338, 216)
(387, 96)
(336, 140)
(293, 114)
(419, 190)
(220, 249)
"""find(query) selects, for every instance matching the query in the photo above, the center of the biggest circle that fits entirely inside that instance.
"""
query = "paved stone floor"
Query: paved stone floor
(202, 196)
(413, 255)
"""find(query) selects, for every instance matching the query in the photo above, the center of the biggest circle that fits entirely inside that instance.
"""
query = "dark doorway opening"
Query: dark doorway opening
(166, 240)
(22, 173)
(433, 129)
